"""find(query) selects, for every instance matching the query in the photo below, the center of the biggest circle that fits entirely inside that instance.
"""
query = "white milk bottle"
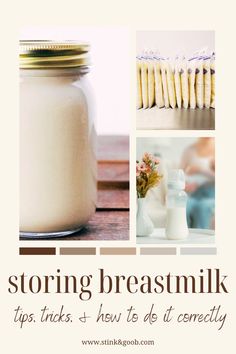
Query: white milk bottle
(176, 223)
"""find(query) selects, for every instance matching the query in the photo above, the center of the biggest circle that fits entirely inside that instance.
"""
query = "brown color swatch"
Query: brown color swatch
(37, 251)
(118, 251)
(78, 251)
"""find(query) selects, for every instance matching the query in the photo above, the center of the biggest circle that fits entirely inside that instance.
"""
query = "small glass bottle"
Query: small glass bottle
(176, 223)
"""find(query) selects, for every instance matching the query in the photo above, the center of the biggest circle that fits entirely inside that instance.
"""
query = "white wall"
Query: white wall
(170, 150)
(171, 43)
(110, 72)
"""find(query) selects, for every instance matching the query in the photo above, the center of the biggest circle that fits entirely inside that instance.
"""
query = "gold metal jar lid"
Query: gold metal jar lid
(42, 54)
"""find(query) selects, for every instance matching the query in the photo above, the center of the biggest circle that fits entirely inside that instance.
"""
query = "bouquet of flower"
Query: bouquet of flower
(147, 175)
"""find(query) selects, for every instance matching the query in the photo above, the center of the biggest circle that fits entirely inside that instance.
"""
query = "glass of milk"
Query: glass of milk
(57, 139)
(176, 222)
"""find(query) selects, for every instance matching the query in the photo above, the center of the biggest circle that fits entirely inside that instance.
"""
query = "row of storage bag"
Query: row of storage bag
(181, 83)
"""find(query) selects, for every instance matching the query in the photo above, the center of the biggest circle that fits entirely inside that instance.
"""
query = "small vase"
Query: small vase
(144, 225)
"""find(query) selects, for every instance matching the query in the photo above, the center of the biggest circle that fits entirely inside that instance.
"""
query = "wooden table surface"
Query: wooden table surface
(111, 220)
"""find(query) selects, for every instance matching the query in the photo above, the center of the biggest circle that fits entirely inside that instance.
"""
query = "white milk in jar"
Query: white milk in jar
(57, 139)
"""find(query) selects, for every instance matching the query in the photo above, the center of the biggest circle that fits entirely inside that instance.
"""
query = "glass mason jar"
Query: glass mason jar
(57, 139)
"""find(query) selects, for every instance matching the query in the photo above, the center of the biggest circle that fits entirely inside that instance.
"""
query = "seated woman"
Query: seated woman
(198, 162)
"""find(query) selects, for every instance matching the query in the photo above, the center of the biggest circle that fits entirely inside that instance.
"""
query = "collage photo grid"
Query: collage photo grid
(75, 157)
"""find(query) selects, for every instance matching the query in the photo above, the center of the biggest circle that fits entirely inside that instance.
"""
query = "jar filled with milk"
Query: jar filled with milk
(176, 223)
(57, 138)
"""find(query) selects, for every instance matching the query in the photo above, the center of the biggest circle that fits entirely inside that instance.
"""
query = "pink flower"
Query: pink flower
(143, 167)
(156, 160)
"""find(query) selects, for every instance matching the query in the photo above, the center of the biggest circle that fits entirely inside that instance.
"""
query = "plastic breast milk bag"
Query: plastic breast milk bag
(139, 101)
(199, 83)
(164, 83)
(144, 81)
(207, 81)
(158, 83)
(151, 81)
(192, 88)
(176, 221)
(184, 82)
(170, 84)
(212, 81)
(177, 83)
